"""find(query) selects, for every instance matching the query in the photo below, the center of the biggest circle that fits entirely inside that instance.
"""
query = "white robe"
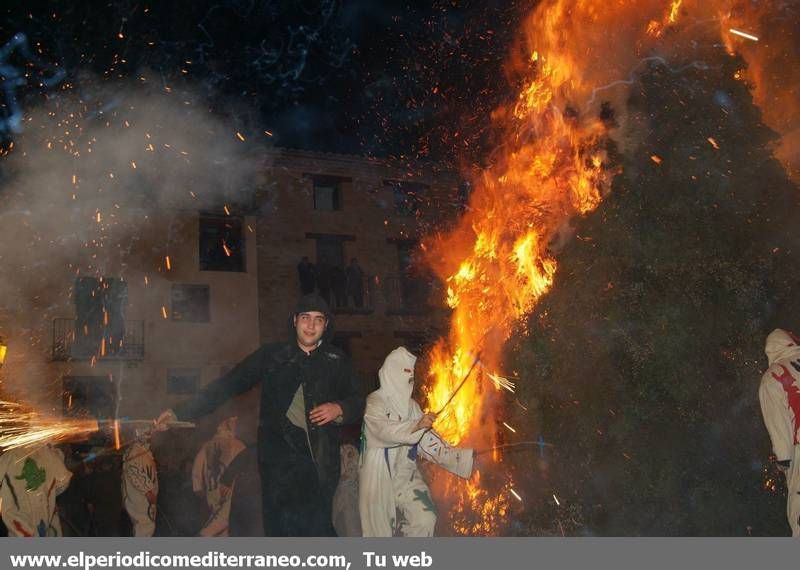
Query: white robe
(346, 518)
(779, 394)
(390, 484)
(210, 463)
(29, 483)
(140, 477)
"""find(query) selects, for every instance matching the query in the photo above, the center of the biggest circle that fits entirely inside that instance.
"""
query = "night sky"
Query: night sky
(355, 76)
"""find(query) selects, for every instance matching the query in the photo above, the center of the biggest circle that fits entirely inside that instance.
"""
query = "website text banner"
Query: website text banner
(358, 553)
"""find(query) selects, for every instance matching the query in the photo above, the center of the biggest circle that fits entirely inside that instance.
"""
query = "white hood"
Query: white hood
(397, 381)
(781, 345)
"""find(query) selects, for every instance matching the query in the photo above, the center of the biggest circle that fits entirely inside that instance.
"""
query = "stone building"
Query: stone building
(332, 208)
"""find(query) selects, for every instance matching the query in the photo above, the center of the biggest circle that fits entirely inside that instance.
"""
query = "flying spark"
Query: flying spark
(744, 35)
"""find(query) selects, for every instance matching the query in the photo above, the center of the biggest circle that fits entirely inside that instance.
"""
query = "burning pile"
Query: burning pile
(574, 66)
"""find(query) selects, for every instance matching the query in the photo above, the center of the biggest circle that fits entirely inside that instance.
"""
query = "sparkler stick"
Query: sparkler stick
(508, 445)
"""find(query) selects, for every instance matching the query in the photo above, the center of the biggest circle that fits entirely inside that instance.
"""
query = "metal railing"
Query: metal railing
(408, 295)
(72, 344)
(349, 300)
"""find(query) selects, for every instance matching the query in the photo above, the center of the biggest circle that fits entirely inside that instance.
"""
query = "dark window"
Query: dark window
(330, 251)
(328, 192)
(221, 244)
(414, 278)
(100, 306)
(326, 197)
(183, 380)
(407, 196)
(190, 303)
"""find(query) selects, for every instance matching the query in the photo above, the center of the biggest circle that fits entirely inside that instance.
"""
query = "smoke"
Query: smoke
(94, 186)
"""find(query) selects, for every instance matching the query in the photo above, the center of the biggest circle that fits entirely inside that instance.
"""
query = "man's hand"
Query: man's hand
(163, 421)
(425, 422)
(325, 413)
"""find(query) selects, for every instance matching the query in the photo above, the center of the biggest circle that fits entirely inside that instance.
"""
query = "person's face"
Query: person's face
(310, 327)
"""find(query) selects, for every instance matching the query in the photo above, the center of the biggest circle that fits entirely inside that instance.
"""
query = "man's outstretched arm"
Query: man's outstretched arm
(241, 378)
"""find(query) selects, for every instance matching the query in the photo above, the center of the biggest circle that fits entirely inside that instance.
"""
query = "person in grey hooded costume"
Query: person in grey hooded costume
(308, 389)
(779, 394)
(393, 495)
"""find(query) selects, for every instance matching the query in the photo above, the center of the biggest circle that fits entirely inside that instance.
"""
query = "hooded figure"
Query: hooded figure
(346, 519)
(209, 465)
(140, 486)
(390, 483)
(29, 484)
(308, 390)
(779, 394)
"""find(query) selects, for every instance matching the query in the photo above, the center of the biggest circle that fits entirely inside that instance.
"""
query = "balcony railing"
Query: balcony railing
(409, 295)
(71, 344)
(349, 301)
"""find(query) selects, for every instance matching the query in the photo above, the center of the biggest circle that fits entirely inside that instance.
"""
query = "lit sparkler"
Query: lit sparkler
(21, 426)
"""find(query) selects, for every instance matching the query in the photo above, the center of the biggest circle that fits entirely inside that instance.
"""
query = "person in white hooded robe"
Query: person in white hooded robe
(393, 496)
(779, 394)
(140, 485)
(30, 480)
(209, 465)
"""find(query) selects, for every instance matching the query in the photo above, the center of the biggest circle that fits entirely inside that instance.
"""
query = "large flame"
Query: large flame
(550, 166)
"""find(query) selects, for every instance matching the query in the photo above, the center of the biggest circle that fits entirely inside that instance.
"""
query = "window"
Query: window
(100, 306)
(411, 288)
(221, 244)
(407, 196)
(183, 380)
(190, 303)
(326, 197)
(328, 192)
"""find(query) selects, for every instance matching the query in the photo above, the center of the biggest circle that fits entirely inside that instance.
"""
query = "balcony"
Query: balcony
(348, 302)
(406, 295)
(69, 345)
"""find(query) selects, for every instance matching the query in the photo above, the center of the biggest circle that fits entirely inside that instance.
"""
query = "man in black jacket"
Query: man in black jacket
(308, 390)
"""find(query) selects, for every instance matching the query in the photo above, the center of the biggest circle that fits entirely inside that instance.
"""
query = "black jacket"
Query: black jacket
(326, 376)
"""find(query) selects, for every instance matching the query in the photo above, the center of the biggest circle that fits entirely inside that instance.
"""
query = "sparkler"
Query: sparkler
(21, 426)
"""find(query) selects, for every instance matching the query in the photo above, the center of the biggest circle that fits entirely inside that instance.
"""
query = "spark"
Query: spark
(655, 158)
(501, 381)
(21, 426)
(226, 249)
(513, 492)
(168, 264)
(509, 427)
(116, 435)
(133, 164)
(227, 211)
(744, 35)
(163, 311)
(239, 135)
(713, 142)
(556, 500)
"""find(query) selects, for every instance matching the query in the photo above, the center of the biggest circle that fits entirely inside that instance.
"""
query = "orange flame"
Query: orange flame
(552, 166)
